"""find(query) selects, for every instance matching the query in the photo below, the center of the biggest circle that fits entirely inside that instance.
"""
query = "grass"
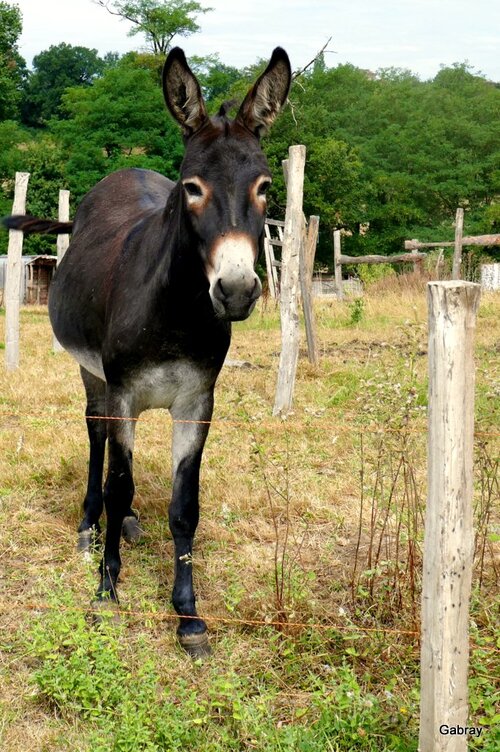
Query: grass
(316, 520)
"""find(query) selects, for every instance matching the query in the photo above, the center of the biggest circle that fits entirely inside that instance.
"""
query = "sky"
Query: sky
(420, 35)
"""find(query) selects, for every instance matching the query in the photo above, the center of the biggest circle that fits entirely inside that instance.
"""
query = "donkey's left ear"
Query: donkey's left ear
(268, 95)
(182, 93)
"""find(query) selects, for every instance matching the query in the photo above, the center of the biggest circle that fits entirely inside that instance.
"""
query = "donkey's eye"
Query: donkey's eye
(193, 190)
(261, 190)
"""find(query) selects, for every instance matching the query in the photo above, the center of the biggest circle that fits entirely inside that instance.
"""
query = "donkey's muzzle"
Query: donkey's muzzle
(234, 298)
(234, 285)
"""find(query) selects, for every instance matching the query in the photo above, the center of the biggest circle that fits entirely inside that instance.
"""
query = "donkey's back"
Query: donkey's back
(109, 215)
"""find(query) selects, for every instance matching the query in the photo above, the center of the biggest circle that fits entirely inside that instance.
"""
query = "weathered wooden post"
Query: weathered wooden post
(62, 244)
(292, 239)
(305, 274)
(449, 537)
(457, 252)
(14, 276)
(337, 265)
(305, 277)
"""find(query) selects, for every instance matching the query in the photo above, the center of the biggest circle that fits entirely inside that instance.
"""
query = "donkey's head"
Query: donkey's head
(225, 176)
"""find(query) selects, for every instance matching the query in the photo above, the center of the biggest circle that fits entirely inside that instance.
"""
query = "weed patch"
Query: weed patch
(316, 520)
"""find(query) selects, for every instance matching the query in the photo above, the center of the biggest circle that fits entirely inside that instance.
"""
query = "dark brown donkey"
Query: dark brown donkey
(144, 297)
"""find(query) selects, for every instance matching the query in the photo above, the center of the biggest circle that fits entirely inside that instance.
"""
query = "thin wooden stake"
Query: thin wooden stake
(337, 264)
(62, 245)
(305, 274)
(457, 253)
(14, 276)
(272, 274)
(449, 537)
(311, 243)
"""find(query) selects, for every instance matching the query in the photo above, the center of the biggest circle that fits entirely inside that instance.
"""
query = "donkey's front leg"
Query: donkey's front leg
(119, 486)
(89, 530)
(187, 449)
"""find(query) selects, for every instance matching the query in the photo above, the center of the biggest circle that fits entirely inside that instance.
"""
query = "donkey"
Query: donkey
(144, 299)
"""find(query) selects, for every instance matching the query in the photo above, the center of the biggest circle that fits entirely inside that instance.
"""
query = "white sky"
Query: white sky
(416, 34)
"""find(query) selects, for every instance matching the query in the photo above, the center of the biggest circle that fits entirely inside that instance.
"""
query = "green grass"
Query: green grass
(280, 501)
(102, 681)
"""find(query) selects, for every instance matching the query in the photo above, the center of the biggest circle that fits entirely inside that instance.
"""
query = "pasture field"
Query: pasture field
(307, 556)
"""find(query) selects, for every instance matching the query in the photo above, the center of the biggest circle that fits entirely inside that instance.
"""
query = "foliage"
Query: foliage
(413, 151)
(389, 157)
(357, 309)
(43, 159)
(11, 161)
(119, 122)
(12, 65)
(216, 78)
(159, 20)
(333, 182)
(369, 273)
(93, 675)
(55, 70)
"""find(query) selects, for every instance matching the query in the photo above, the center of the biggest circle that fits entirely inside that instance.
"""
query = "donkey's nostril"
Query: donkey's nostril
(257, 289)
(219, 290)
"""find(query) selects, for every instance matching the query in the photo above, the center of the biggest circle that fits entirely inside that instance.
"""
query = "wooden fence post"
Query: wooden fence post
(292, 240)
(449, 538)
(305, 273)
(14, 276)
(457, 253)
(307, 247)
(62, 245)
(337, 264)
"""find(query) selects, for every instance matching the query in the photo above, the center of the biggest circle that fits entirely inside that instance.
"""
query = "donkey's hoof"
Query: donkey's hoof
(105, 611)
(196, 645)
(131, 530)
(88, 540)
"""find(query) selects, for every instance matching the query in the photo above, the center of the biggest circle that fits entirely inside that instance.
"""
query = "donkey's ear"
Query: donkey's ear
(182, 93)
(268, 95)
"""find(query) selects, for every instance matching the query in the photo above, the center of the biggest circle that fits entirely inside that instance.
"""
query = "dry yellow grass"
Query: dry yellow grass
(261, 478)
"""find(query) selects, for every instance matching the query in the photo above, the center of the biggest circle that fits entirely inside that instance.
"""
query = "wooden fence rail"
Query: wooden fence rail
(466, 240)
(339, 258)
(415, 257)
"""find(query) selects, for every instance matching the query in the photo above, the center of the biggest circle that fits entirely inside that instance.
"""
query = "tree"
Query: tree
(159, 20)
(55, 70)
(42, 158)
(12, 65)
(11, 160)
(118, 122)
(216, 78)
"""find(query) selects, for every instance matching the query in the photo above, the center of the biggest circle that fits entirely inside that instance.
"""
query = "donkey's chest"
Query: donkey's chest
(162, 385)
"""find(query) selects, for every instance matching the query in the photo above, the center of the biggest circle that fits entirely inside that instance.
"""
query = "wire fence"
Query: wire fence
(210, 619)
(294, 423)
(330, 625)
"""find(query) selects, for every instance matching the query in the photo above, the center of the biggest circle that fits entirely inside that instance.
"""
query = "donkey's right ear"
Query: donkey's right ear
(268, 95)
(182, 93)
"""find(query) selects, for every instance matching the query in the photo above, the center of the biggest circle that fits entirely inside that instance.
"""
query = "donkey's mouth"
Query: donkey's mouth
(234, 311)
(235, 302)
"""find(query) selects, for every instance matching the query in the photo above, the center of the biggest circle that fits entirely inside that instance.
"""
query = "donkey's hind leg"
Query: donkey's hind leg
(89, 529)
